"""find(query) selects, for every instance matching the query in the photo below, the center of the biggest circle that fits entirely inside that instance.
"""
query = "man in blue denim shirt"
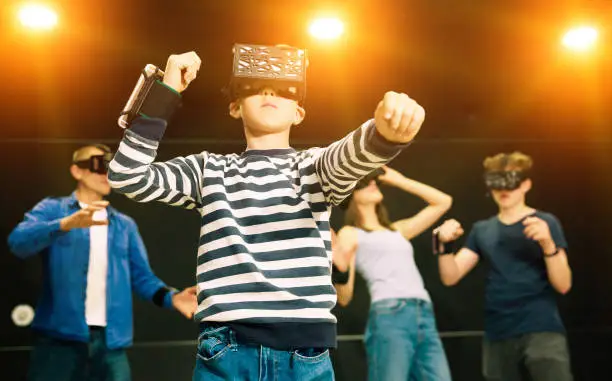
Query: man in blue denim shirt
(93, 258)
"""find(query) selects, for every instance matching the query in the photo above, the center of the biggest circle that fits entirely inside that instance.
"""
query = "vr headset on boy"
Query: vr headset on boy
(97, 163)
(505, 179)
(282, 68)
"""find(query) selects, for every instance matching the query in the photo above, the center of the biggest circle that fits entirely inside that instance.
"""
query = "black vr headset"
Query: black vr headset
(505, 180)
(97, 163)
(364, 182)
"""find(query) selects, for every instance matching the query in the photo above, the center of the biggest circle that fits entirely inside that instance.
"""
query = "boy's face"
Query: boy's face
(266, 112)
(506, 199)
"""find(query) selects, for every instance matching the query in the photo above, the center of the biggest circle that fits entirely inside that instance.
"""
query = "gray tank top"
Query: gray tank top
(385, 259)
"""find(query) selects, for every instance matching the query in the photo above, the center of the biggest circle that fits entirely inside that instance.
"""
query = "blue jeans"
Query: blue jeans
(402, 342)
(62, 360)
(220, 357)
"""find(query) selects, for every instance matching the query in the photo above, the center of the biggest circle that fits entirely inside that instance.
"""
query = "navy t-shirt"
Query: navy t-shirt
(519, 298)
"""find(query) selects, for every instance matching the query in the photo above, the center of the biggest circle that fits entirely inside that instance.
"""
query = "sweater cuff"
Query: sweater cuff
(149, 128)
(161, 101)
(379, 145)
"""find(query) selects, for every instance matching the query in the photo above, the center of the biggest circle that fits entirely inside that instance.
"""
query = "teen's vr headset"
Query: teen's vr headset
(364, 182)
(505, 180)
(281, 67)
(97, 163)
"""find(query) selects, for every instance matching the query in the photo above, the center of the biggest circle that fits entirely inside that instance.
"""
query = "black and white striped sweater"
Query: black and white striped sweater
(264, 257)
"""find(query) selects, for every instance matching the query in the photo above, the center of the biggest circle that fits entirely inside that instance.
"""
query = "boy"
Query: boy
(264, 262)
(525, 249)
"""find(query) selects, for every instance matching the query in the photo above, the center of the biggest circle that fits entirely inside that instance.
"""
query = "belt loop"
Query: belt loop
(232, 338)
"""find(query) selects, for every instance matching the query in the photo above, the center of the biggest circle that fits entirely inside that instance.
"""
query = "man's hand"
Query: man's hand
(84, 218)
(398, 118)
(186, 301)
(449, 231)
(537, 229)
(181, 69)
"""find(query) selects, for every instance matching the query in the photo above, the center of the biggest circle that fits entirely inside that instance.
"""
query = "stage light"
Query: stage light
(326, 28)
(37, 16)
(580, 39)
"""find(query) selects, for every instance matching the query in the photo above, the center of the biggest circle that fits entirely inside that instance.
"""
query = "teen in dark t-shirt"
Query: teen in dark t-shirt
(525, 250)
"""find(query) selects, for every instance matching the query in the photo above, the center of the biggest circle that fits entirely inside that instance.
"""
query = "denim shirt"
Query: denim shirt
(60, 311)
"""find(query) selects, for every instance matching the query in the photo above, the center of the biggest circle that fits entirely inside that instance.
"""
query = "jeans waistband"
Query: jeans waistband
(408, 301)
(396, 303)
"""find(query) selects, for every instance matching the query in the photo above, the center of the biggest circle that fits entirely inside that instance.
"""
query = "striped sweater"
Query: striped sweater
(264, 257)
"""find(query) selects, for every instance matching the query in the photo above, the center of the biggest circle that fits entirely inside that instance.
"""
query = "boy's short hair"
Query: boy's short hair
(517, 161)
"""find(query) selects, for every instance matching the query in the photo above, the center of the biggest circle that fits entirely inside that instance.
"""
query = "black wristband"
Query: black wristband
(160, 295)
(153, 100)
(340, 277)
(557, 250)
(442, 248)
(161, 102)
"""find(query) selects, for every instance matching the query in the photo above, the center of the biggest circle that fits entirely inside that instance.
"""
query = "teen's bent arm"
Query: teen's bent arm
(453, 267)
(438, 204)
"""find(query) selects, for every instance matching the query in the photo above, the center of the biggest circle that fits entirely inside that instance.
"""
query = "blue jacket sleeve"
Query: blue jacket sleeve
(38, 230)
(144, 282)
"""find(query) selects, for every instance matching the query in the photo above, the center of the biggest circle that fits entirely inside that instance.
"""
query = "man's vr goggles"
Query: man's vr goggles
(96, 163)
(281, 68)
(505, 180)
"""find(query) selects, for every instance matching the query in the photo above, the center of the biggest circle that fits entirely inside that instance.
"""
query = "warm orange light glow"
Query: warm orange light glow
(580, 39)
(326, 28)
(37, 16)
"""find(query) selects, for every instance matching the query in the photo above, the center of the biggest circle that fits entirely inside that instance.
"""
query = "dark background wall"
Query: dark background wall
(490, 75)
